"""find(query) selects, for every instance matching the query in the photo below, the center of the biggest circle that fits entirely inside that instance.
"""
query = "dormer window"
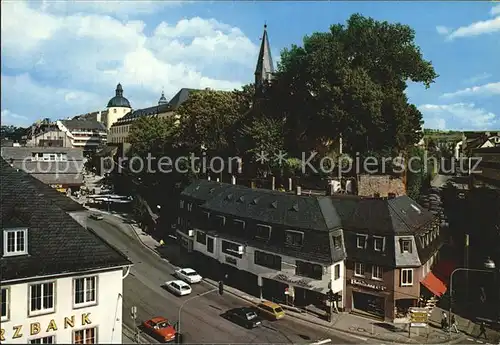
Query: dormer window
(405, 246)
(15, 242)
(294, 238)
(361, 241)
(263, 232)
(378, 244)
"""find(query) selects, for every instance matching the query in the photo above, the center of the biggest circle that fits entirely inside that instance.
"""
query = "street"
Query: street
(200, 318)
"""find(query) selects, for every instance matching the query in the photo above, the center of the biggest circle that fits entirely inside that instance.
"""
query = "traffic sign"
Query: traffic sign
(133, 312)
(419, 317)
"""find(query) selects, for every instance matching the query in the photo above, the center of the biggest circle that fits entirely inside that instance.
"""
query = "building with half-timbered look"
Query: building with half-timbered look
(60, 282)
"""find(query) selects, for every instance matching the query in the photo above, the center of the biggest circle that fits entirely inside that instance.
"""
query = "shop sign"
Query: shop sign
(231, 260)
(302, 283)
(35, 327)
(368, 285)
(419, 317)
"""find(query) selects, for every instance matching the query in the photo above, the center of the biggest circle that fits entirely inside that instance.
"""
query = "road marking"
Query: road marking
(321, 342)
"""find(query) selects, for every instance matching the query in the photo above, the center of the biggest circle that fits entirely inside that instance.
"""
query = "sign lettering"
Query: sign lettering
(35, 327)
(367, 285)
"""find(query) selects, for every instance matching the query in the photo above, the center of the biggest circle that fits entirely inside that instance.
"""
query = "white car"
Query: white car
(188, 275)
(178, 287)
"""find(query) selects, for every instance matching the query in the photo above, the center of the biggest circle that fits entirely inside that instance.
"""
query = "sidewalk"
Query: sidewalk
(352, 325)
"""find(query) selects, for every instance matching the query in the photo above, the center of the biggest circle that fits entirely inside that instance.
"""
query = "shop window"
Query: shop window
(359, 269)
(210, 245)
(336, 270)
(263, 232)
(232, 249)
(201, 237)
(267, 260)
(85, 336)
(361, 241)
(406, 276)
(377, 272)
(294, 238)
(309, 270)
(378, 244)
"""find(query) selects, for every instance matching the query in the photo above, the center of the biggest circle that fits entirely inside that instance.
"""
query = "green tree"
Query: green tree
(351, 81)
(155, 135)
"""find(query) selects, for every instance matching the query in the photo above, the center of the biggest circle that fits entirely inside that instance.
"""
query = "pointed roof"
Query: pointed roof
(265, 65)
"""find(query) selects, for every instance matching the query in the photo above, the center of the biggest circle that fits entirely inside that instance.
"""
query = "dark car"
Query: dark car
(244, 316)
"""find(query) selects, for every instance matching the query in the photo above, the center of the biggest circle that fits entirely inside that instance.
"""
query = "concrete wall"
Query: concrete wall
(106, 314)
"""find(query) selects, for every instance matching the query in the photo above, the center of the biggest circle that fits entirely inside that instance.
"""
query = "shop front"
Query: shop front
(368, 298)
(186, 242)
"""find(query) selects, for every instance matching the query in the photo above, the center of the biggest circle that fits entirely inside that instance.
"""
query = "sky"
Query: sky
(64, 58)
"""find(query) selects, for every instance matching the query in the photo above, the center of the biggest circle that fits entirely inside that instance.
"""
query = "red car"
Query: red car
(160, 328)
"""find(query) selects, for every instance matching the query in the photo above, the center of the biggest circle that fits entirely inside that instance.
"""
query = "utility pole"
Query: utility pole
(133, 314)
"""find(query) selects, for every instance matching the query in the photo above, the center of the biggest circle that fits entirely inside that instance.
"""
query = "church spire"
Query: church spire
(265, 67)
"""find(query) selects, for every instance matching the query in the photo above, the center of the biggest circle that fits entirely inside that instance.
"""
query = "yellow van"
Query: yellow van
(270, 310)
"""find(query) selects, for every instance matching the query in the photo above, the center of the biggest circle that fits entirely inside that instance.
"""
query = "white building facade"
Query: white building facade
(78, 309)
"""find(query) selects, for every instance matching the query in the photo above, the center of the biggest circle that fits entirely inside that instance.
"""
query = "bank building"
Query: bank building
(60, 282)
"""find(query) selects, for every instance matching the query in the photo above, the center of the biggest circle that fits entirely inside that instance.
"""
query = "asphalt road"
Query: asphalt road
(200, 318)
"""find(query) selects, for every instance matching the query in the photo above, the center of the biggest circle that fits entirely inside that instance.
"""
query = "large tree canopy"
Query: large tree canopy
(351, 81)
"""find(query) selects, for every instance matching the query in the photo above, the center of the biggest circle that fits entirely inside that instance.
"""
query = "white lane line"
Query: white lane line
(321, 342)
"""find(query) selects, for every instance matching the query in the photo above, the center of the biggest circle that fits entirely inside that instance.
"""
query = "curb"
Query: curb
(358, 335)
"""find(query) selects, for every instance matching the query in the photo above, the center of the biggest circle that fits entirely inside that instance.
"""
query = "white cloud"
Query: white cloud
(442, 30)
(10, 118)
(482, 90)
(475, 29)
(478, 78)
(458, 116)
(495, 11)
(89, 53)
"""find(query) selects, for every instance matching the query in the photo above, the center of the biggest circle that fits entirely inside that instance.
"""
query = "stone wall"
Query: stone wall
(368, 185)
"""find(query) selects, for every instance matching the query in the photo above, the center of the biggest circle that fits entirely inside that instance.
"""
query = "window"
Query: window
(263, 232)
(336, 269)
(378, 244)
(41, 298)
(210, 244)
(377, 272)
(15, 242)
(239, 225)
(220, 221)
(308, 269)
(201, 237)
(405, 246)
(359, 269)
(294, 238)
(337, 242)
(181, 204)
(85, 291)
(406, 276)
(114, 110)
(190, 207)
(231, 248)
(45, 340)
(267, 260)
(85, 336)
(361, 241)
(5, 304)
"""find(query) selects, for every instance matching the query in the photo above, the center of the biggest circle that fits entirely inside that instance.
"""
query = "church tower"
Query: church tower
(265, 68)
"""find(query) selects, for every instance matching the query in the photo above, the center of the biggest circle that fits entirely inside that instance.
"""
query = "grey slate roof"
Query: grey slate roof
(57, 244)
(119, 100)
(83, 124)
(154, 110)
(180, 97)
(265, 67)
(203, 190)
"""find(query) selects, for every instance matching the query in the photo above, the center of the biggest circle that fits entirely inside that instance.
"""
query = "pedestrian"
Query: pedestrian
(444, 323)
(453, 323)
(482, 330)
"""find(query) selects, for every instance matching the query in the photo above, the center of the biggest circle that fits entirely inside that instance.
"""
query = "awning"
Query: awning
(434, 284)
(443, 269)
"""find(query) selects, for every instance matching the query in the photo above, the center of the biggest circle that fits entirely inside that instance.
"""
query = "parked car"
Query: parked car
(188, 275)
(96, 216)
(270, 310)
(178, 287)
(160, 328)
(244, 316)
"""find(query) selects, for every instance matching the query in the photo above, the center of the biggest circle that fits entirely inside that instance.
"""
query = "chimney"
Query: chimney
(290, 184)
(299, 190)
(273, 182)
(233, 179)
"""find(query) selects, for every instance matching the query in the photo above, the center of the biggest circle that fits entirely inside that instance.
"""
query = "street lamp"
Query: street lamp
(488, 264)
